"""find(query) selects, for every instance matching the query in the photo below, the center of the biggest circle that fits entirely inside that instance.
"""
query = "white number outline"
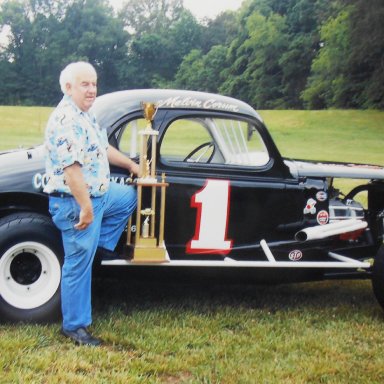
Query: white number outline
(214, 195)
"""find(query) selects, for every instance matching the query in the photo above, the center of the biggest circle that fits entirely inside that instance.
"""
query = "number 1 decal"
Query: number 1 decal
(212, 203)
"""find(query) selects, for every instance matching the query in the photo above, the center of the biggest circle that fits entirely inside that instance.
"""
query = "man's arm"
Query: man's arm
(75, 181)
(115, 157)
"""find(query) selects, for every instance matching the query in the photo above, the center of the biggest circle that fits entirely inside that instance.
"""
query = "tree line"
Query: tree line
(270, 53)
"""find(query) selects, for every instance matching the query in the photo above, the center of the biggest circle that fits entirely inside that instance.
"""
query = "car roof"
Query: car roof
(110, 107)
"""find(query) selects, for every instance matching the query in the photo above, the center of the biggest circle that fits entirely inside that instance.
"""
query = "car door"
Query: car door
(228, 187)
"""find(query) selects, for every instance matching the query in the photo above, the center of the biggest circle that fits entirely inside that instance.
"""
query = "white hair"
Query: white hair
(69, 73)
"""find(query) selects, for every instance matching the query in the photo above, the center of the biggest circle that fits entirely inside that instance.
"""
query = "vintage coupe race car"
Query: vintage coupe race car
(232, 204)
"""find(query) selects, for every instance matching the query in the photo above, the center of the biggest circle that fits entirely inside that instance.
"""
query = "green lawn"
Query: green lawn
(333, 135)
(328, 332)
(22, 126)
(324, 332)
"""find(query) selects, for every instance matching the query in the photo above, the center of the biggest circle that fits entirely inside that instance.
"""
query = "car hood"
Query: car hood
(299, 168)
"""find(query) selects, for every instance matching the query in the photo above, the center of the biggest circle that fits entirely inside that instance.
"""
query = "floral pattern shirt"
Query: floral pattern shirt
(74, 136)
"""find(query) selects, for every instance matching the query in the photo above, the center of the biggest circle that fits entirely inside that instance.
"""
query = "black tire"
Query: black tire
(378, 276)
(31, 256)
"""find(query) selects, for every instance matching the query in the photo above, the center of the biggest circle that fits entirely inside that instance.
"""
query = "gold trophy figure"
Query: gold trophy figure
(148, 166)
(149, 246)
(149, 111)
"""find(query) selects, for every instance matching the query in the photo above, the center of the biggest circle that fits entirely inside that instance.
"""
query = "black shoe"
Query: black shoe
(104, 254)
(81, 337)
(128, 252)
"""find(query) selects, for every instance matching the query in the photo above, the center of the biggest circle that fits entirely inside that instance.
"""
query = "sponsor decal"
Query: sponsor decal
(190, 102)
(322, 217)
(310, 207)
(40, 180)
(321, 196)
(121, 180)
(295, 255)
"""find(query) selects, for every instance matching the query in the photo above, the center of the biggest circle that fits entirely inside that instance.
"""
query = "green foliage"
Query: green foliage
(348, 69)
(47, 35)
(271, 58)
(367, 53)
(154, 57)
(220, 31)
(202, 72)
(270, 53)
(95, 35)
(148, 16)
(330, 66)
(266, 43)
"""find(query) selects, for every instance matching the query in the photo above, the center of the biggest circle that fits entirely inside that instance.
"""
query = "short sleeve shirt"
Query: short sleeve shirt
(74, 136)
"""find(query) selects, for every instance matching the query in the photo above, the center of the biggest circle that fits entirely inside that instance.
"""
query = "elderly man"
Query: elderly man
(90, 211)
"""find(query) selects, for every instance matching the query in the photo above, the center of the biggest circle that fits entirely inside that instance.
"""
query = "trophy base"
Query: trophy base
(146, 251)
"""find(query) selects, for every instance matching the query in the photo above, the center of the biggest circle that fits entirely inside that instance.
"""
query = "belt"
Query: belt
(64, 195)
(60, 194)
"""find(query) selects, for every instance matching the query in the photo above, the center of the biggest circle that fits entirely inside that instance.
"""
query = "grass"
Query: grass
(164, 332)
(331, 135)
(22, 126)
(326, 332)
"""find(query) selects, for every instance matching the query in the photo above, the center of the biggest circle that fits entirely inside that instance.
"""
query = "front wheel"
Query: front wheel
(30, 268)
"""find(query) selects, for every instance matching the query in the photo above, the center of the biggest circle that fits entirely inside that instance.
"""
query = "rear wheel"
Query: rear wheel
(30, 268)
(378, 276)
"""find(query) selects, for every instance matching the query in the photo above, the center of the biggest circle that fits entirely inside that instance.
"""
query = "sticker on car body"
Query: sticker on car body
(322, 217)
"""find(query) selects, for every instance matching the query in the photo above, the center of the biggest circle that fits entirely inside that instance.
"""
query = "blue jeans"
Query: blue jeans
(111, 213)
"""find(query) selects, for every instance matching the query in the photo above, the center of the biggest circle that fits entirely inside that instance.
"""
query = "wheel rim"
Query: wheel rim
(30, 274)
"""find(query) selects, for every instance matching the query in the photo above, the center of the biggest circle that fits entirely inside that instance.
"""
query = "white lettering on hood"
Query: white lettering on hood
(189, 102)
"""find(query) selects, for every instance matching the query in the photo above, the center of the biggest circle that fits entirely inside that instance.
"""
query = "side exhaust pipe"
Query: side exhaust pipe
(327, 230)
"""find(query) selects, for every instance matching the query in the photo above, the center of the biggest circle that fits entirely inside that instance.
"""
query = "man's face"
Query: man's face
(83, 91)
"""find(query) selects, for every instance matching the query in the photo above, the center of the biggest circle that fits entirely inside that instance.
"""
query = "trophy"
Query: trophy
(148, 166)
(149, 245)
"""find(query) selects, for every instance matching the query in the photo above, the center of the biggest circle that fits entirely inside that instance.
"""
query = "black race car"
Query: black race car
(232, 205)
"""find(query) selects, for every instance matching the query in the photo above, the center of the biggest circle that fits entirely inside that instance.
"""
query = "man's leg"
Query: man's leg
(120, 204)
(76, 278)
(79, 248)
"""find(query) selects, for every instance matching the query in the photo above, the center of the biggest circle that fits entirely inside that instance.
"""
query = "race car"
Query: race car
(218, 199)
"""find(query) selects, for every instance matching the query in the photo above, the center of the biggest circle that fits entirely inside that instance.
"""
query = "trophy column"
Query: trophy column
(149, 245)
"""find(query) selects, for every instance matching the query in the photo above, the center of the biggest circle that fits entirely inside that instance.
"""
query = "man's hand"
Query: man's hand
(85, 218)
(75, 181)
(135, 169)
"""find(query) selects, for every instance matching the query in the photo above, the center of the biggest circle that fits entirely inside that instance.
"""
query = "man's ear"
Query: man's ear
(68, 88)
